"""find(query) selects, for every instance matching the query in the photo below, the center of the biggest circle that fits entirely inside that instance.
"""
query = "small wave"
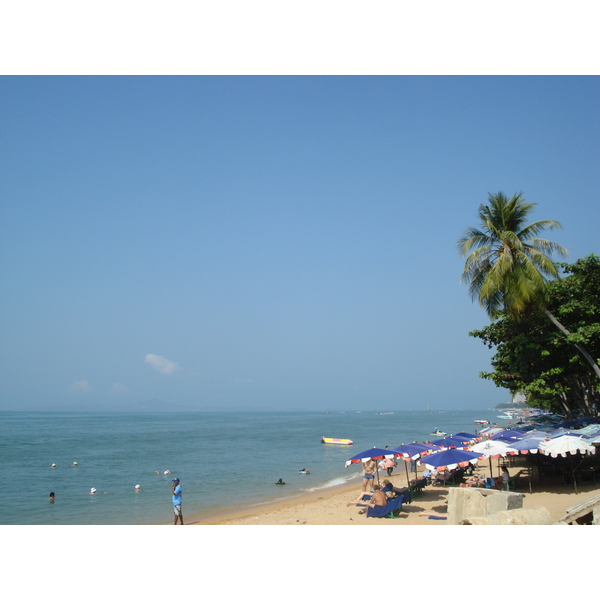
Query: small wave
(332, 483)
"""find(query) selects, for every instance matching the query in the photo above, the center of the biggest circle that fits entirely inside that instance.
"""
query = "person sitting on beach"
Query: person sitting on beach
(390, 491)
(502, 481)
(377, 499)
(474, 481)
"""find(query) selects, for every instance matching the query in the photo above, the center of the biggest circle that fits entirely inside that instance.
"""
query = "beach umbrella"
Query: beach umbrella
(489, 431)
(450, 459)
(371, 454)
(567, 445)
(491, 449)
(413, 452)
(536, 433)
(407, 452)
(469, 436)
(453, 441)
(526, 445)
(529, 445)
(508, 434)
(590, 429)
(425, 448)
(572, 423)
(561, 432)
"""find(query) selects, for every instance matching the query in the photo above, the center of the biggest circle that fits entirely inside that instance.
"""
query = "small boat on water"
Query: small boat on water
(481, 422)
(339, 441)
(438, 433)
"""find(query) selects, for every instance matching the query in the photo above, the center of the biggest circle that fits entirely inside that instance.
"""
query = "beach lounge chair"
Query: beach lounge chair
(386, 511)
(417, 487)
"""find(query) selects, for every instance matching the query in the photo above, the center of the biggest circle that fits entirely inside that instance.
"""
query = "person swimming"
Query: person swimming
(280, 482)
(51, 497)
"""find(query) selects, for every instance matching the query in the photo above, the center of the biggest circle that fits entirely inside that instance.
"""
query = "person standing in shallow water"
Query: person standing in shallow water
(176, 490)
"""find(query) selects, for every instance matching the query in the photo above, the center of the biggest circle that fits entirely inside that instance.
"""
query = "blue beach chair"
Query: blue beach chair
(388, 510)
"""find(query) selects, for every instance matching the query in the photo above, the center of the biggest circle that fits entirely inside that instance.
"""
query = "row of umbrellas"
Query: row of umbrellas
(462, 449)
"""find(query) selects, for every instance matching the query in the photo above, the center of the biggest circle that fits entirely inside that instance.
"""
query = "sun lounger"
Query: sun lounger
(385, 511)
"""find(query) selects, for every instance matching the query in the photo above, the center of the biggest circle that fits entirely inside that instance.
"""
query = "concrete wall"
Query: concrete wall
(467, 503)
(519, 516)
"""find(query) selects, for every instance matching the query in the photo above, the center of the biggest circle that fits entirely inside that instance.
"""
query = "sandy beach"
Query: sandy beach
(337, 506)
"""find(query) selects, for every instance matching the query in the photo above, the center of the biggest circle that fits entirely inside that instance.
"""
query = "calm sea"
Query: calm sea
(224, 460)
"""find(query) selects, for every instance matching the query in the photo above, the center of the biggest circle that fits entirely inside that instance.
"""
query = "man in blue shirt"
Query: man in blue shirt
(176, 489)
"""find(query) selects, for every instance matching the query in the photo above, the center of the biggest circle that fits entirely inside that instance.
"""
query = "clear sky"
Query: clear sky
(269, 242)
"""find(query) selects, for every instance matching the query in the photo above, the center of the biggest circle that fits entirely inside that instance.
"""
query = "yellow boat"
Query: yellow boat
(340, 441)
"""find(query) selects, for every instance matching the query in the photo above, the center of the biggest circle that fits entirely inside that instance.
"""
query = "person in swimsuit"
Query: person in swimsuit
(368, 468)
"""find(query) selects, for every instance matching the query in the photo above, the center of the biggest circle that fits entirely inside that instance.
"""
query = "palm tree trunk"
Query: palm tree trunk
(581, 349)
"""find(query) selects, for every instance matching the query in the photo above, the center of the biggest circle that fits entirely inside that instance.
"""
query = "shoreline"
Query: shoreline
(337, 506)
(213, 516)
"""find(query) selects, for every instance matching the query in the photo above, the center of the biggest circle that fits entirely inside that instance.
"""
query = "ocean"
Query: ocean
(225, 460)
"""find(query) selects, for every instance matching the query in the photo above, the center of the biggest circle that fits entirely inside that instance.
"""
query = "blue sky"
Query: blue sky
(269, 242)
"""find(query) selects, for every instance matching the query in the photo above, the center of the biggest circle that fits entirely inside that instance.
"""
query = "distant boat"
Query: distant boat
(507, 417)
(339, 441)
(438, 433)
(482, 422)
(385, 413)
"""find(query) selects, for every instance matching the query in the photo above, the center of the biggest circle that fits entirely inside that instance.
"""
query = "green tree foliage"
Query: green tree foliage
(533, 356)
(507, 265)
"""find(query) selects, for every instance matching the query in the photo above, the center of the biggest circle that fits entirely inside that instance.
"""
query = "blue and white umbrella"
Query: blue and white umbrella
(450, 459)
(508, 434)
(527, 445)
(370, 454)
(453, 441)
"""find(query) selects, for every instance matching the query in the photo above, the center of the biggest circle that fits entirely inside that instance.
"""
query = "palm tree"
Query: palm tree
(507, 266)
